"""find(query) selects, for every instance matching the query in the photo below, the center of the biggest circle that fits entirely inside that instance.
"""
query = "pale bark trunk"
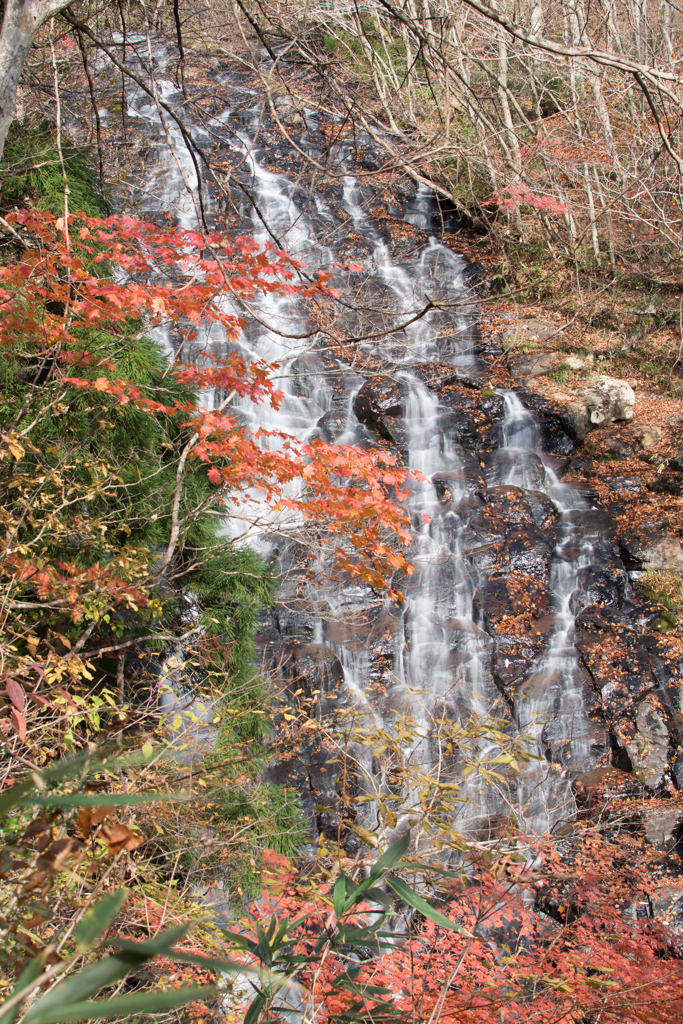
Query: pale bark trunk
(20, 24)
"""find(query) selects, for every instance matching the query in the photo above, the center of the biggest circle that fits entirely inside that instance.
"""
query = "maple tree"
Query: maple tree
(67, 517)
(486, 954)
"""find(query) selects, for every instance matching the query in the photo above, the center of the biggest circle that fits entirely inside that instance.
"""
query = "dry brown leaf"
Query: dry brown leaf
(18, 723)
(15, 693)
(119, 837)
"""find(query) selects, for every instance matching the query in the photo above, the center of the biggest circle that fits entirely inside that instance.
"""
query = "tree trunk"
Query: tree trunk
(20, 24)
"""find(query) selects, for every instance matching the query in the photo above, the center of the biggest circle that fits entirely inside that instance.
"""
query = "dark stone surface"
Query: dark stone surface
(379, 400)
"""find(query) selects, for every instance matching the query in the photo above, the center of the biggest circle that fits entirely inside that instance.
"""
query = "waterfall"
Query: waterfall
(446, 661)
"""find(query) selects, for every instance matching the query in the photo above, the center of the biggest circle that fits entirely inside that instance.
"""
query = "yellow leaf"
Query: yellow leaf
(368, 837)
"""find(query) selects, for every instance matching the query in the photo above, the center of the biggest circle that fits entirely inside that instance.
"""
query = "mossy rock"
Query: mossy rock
(666, 588)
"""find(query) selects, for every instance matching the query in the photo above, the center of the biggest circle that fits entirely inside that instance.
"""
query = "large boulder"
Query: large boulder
(535, 364)
(526, 331)
(607, 400)
(653, 549)
(648, 750)
(603, 400)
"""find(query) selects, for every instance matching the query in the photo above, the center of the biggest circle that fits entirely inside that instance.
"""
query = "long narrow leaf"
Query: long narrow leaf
(28, 975)
(131, 1005)
(99, 918)
(214, 963)
(104, 972)
(160, 945)
(391, 856)
(255, 1008)
(339, 895)
(98, 800)
(82, 984)
(415, 901)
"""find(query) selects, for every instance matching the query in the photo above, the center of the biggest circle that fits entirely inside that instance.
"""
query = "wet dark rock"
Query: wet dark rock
(456, 483)
(661, 824)
(378, 404)
(507, 606)
(358, 618)
(645, 549)
(510, 666)
(667, 482)
(475, 419)
(527, 549)
(617, 448)
(648, 748)
(438, 375)
(603, 786)
(542, 509)
(638, 685)
(597, 586)
(515, 466)
(509, 504)
(507, 597)
(461, 428)
(314, 774)
(624, 484)
(666, 906)
(551, 419)
(560, 465)
(490, 826)
(593, 523)
(312, 667)
(297, 618)
(331, 425)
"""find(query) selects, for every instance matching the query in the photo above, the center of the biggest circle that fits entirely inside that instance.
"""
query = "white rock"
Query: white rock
(608, 399)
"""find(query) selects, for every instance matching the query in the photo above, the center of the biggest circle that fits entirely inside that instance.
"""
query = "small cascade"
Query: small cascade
(550, 707)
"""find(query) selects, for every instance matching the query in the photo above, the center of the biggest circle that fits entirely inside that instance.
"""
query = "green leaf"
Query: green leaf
(339, 895)
(378, 896)
(161, 944)
(392, 855)
(98, 800)
(216, 963)
(88, 761)
(413, 900)
(130, 1005)
(99, 918)
(255, 1008)
(12, 796)
(28, 975)
(347, 978)
(76, 986)
(104, 972)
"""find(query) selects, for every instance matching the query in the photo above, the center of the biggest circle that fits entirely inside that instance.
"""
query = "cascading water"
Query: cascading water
(443, 661)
